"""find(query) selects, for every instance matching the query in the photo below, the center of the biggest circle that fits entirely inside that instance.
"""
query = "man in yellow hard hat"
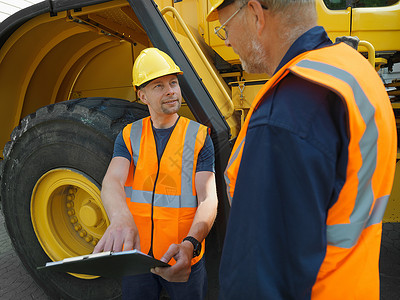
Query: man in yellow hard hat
(313, 165)
(159, 190)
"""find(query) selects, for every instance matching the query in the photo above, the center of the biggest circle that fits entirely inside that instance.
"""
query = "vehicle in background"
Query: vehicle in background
(65, 82)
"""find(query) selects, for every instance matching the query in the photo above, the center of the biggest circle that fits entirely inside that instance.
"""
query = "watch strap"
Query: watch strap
(196, 245)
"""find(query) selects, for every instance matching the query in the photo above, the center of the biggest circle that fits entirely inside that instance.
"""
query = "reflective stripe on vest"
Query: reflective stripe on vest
(161, 200)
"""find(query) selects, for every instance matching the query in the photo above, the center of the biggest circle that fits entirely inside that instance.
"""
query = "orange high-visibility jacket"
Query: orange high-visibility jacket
(162, 195)
(350, 268)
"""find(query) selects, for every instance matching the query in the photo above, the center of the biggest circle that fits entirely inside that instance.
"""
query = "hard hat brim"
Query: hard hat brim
(213, 15)
(155, 77)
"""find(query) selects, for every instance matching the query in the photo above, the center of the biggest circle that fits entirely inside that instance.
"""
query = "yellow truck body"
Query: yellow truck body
(65, 82)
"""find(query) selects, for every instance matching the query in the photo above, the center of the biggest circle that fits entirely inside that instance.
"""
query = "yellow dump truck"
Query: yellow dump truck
(65, 93)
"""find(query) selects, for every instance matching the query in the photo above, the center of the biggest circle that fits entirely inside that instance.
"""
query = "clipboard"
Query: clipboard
(107, 264)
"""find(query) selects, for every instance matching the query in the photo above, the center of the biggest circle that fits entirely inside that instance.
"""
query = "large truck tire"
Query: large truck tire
(50, 188)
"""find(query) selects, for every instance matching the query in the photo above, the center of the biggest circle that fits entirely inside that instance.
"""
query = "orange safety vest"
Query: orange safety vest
(162, 195)
(350, 269)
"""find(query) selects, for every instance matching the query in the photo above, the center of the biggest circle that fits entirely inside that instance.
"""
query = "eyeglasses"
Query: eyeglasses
(220, 31)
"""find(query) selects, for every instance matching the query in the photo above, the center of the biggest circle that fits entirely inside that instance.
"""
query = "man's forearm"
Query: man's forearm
(207, 208)
(203, 220)
(114, 200)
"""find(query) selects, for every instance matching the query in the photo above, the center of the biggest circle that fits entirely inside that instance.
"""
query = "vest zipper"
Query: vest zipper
(152, 209)
(155, 183)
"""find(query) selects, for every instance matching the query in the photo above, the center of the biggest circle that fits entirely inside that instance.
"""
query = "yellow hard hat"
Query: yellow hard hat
(151, 64)
(213, 13)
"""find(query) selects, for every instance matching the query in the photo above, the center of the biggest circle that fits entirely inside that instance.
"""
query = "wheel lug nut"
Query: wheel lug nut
(73, 220)
(82, 233)
(95, 241)
(88, 239)
(71, 212)
(70, 204)
(70, 197)
(77, 227)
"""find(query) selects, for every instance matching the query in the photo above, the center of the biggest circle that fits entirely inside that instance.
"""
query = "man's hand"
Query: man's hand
(122, 234)
(183, 254)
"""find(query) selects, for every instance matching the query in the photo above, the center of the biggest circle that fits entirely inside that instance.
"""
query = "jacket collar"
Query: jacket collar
(314, 38)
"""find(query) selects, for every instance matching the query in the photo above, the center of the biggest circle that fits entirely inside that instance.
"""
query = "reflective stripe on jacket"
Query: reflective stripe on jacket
(350, 268)
(161, 195)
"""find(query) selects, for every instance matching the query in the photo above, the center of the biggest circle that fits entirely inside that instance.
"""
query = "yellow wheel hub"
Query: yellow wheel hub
(67, 214)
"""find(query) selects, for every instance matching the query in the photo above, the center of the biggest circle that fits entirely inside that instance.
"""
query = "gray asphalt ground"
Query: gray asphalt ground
(16, 284)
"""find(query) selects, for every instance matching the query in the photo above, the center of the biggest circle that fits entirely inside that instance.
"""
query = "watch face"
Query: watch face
(197, 250)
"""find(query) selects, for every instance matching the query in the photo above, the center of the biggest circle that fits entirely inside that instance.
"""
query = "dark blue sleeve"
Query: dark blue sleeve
(205, 161)
(120, 149)
(292, 169)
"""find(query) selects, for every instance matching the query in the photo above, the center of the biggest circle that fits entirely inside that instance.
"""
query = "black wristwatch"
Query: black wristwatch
(196, 245)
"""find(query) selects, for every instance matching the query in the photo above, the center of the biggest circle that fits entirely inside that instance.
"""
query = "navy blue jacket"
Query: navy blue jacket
(293, 166)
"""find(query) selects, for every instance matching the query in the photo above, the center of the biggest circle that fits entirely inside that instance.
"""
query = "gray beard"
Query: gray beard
(257, 63)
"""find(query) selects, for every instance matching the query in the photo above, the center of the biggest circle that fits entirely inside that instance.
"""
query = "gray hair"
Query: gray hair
(295, 15)
(278, 5)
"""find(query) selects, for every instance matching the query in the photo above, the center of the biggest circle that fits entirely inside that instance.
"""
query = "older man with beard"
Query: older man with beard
(312, 168)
